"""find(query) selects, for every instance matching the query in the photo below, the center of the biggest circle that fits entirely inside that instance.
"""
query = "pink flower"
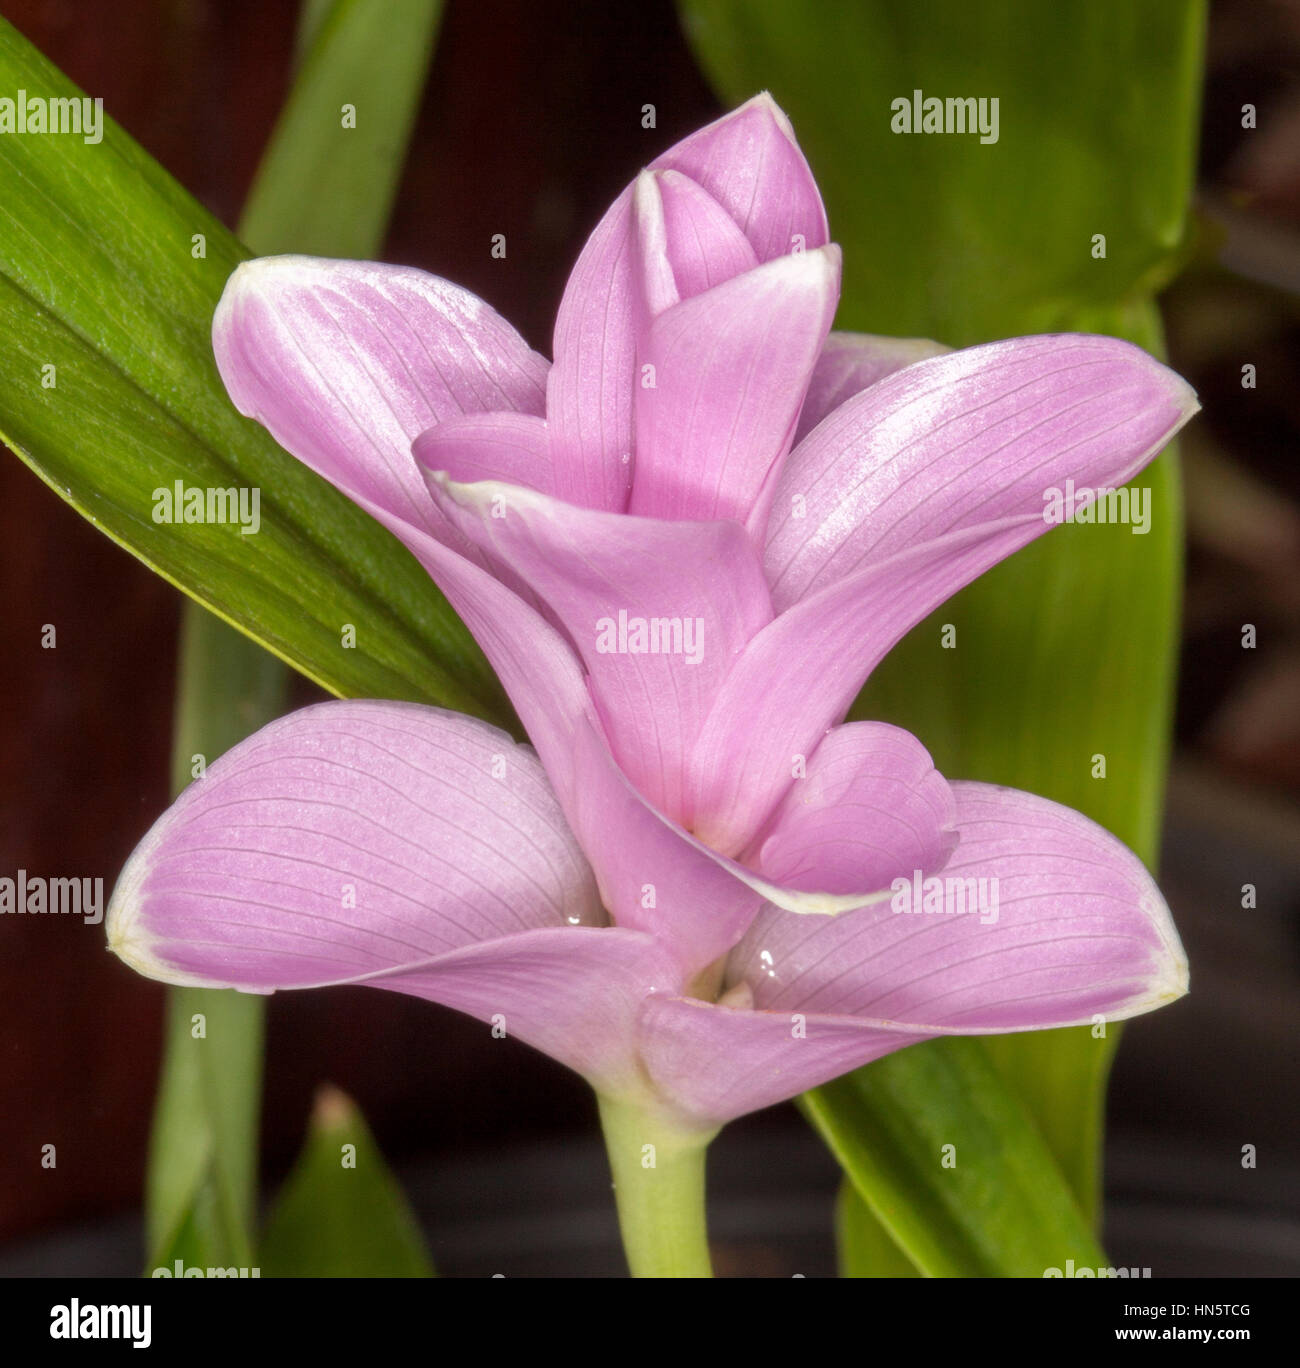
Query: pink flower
(683, 546)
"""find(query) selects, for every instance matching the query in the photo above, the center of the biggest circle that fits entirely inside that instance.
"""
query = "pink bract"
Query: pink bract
(684, 545)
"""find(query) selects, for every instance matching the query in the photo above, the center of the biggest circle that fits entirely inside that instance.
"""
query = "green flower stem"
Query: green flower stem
(659, 1187)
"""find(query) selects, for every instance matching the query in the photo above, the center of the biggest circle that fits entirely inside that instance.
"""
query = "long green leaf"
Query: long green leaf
(327, 179)
(866, 1248)
(985, 1201)
(1066, 651)
(341, 1214)
(945, 236)
(109, 273)
(201, 1191)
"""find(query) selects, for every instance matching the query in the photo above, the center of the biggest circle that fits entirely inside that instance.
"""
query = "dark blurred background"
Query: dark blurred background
(529, 126)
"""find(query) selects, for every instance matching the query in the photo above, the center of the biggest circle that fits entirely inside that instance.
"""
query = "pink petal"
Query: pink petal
(751, 164)
(871, 806)
(513, 447)
(651, 876)
(766, 714)
(343, 401)
(730, 368)
(390, 844)
(597, 571)
(537, 667)
(543, 676)
(966, 440)
(1071, 926)
(346, 362)
(687, 243)
(1075, 930)
(589, 392)
(949, 460)
(349, 837)
(656, 876)
(850, 363)
(575, 993)
(714, 1063)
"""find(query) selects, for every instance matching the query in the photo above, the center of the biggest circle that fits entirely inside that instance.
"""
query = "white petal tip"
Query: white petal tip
(763, 100)
(126, 935)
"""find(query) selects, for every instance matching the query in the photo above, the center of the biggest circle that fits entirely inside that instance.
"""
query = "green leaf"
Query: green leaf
(99, 280)
(323, 186)
(866, 1249)
(953, 1165)
(948, 237)
(341, 1214)
(201, 1186)
(1067, 650)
